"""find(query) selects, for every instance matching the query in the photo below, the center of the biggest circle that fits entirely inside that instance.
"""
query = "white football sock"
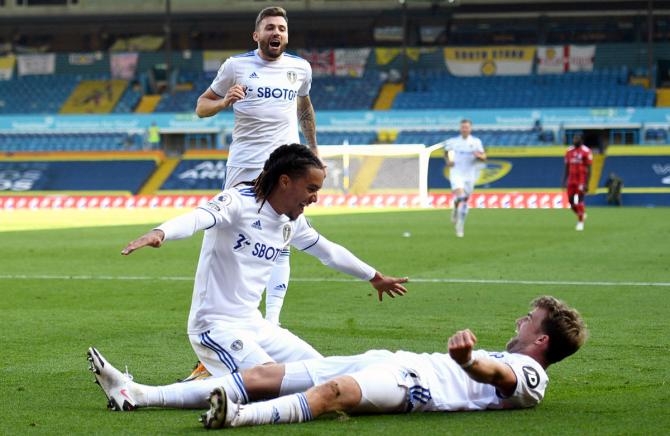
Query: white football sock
(189, 395)
(277, 286)
(463, 211)
(291, 408)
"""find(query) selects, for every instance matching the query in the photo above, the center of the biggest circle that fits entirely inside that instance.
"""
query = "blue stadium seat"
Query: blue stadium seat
(14, 142)
(601, 88)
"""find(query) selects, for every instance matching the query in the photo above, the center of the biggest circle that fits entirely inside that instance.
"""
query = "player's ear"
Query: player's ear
(255, 36)
(542, 340)
(284, 180)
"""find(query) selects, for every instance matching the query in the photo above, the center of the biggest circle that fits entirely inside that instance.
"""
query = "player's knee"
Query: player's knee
(341, 393)
(263, 379)
(263, 372)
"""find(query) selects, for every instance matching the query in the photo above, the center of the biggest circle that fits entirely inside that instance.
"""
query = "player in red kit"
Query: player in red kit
(578, 161)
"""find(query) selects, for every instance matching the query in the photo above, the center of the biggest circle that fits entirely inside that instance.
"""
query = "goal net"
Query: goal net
(370, 174)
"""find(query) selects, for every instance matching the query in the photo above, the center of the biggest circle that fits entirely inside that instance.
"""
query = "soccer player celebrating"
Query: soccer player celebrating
(246, 229)
(578, 161)
(378, 381)
(463, 154)
(269, 92)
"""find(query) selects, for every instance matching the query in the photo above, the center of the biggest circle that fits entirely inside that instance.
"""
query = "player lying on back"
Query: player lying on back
(378, 381)
(246, 229)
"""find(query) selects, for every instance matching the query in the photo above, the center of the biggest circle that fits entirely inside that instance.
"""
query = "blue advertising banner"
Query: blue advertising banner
(496, 118)
(638, 171)
(506, 173)
(26, 176)
(196, 174)
(345, 120)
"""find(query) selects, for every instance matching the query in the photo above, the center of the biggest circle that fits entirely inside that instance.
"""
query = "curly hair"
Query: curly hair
(565, 327)
(294, 160)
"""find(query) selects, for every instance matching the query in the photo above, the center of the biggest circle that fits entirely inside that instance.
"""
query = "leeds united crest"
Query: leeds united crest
(291, 76)
(237, 345)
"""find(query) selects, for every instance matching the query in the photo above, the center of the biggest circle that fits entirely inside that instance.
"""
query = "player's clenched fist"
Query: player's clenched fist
(152, 239)
(234, 94)
(460, 346)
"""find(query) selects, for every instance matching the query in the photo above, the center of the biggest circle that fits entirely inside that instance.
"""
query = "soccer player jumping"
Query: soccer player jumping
(268, 90)
(578, 161)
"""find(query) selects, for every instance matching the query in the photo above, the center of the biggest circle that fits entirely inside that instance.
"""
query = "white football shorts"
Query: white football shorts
(230, 347)
(236, 175)
(386, 384)
(460, 181)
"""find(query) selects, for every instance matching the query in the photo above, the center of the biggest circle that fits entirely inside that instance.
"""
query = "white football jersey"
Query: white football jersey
(237, 256)
(267, 116)
(465, 163)
(451, 389)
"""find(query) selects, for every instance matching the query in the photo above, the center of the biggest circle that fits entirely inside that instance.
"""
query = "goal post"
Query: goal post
(361, 170)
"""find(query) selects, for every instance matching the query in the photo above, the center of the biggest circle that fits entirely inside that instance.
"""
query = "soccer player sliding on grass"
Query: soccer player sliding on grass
(246, 229)
(378, 381)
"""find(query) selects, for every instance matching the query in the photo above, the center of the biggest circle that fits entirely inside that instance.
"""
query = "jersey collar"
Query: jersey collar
(258, 56)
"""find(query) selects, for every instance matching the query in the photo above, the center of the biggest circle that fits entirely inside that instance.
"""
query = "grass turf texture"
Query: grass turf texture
(617, 384)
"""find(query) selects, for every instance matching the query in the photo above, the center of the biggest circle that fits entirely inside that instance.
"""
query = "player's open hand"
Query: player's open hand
(152, 239)
(391, 286)
(461, 345)
(234, 94)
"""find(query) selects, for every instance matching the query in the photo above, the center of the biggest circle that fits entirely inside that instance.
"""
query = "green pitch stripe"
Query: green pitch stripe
(314, 280)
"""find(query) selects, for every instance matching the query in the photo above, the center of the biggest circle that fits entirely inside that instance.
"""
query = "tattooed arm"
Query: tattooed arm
(307, 121)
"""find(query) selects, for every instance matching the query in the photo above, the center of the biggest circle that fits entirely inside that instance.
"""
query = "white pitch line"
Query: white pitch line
(338, 280)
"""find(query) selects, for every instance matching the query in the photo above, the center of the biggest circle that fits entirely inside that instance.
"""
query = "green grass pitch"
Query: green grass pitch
(64, 290)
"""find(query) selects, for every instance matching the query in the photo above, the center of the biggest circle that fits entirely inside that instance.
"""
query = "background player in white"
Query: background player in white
(463, 155)
(378, 381)
(269, 92)
(245, 230)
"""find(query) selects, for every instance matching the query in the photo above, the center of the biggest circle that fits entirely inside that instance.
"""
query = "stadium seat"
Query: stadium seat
(14, 142)
(601, 88)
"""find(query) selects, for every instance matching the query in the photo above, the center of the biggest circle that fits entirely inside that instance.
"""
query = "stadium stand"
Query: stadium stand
(94, 96)
(128, 101)
(328, 93)
(36, 94)
(489, 137)
(184, 100)
(350, 137)
(69, 142)
(430, 89)
(428, 86)
(345, 93)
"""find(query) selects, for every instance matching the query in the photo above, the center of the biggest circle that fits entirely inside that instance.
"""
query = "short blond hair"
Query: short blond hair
(271, 11)
(565, 327)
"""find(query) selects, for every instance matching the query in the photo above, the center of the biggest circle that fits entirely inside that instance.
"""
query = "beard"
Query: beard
(265, 49)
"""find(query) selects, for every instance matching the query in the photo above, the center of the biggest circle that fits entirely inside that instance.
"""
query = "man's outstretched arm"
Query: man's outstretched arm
(339, 258)
(180, 227)
(154, 239)
(486, 371)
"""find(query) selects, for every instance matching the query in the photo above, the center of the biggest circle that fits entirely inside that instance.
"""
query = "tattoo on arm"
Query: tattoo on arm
(307, 120)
